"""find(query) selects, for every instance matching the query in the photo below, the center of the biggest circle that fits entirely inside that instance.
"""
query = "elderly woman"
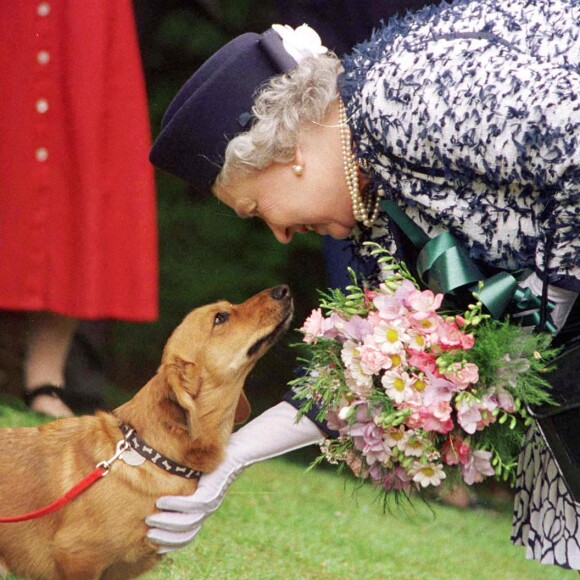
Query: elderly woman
(465, 115)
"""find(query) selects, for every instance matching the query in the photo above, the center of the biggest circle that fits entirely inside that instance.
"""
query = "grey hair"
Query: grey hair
(287, 101)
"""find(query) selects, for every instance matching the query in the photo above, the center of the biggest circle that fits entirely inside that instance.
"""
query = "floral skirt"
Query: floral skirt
(546, 518)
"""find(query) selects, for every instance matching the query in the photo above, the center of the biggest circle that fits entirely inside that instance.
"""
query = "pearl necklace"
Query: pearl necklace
(365, 207)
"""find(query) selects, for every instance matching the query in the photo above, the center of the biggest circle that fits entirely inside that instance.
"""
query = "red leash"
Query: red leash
(100, 471)
(60, 502)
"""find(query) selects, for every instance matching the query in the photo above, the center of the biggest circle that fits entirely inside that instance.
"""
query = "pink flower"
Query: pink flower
(373, 360)
(467, 341)
(477, 467)
(332, 326)
(388, 307)
(406, 288)
(468, 416)
(441, 410)
(397, 479)
(370, 294)
(356, 464)
(356, 328)
(375, 472)
(463, 375)
(455, 450)
(434, 424)
(427, 325)
(363, 414)
(358, 382)
(449, 335)
(433, 417)
(476, 415)
(502, 399)
(313, 326)
(374, 318)
(414, 404)
(357, 429)
(334, 422)
(438, 389)
(374, 448)
(437, 417)
(423, 303)
(424, 361)
(505, 401)
(488, 406)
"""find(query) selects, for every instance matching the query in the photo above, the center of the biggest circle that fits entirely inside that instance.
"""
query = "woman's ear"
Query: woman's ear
(184, 384)
(299, 161)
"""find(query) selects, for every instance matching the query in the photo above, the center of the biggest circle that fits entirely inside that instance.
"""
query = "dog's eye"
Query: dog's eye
(220, 318)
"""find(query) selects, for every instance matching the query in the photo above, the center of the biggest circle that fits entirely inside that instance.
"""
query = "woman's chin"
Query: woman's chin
(338, 232)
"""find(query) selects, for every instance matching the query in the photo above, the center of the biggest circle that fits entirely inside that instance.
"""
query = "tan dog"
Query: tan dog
(185, 412)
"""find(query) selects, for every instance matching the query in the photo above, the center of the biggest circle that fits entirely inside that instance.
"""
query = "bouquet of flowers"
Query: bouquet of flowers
(419, 395)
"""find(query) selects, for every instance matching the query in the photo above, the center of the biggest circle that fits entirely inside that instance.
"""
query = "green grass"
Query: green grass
(13, 413)
(279, 521)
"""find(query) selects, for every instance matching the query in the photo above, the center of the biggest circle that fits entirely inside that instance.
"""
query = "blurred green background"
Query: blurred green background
(206, 252)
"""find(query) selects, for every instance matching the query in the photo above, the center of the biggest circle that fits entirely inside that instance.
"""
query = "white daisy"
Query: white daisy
(428, 474)
(397, 386)
(390, 336)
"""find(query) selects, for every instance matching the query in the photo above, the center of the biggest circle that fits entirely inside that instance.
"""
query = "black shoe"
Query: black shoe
(49, 390)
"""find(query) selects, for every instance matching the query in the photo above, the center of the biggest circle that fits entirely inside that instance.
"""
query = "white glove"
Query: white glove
(562, 298)
(273, 433)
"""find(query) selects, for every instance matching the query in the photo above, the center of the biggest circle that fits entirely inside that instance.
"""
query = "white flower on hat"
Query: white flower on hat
(300, 42)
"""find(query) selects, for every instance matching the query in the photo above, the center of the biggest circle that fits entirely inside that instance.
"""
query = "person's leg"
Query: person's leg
(48, 340)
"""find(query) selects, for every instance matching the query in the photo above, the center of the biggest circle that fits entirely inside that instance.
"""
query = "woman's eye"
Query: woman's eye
(220, 318)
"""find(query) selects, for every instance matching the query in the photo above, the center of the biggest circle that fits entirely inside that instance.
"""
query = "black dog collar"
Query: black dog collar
(146, 451)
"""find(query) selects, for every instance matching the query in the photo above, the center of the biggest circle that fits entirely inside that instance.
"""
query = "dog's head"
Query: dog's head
(209, 355)
(188, 409)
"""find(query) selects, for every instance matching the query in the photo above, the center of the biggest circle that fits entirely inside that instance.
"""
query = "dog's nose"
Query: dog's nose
(280, 292)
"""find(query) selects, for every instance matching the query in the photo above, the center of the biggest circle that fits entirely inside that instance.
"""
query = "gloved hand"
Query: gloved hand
(273, 433)
(562, 298)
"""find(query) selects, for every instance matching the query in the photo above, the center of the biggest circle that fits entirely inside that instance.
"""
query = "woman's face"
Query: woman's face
(318, 200)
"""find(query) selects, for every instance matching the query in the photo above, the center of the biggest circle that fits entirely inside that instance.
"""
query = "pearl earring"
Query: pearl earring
(298, 169)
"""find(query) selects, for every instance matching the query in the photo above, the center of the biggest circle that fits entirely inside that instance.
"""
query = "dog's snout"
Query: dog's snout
(280, 292)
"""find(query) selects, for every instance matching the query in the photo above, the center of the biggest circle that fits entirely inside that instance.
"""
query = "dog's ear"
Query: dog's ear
(184, 383)
(243, 409)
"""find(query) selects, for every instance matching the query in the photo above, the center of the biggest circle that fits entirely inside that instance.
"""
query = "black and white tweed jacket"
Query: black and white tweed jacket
(469, 115)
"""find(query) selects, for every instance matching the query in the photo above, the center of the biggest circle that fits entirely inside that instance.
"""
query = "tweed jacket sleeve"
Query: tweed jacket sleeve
(469, 115)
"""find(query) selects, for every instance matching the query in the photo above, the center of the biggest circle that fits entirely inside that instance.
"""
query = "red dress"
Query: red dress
(78, 228)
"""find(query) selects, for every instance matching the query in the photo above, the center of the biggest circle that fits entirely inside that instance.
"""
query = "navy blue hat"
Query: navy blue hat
(214, 106)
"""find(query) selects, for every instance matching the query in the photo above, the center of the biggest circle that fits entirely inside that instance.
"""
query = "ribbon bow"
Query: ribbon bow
(443, 265)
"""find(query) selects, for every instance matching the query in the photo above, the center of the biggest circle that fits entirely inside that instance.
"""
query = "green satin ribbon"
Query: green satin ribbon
(417, 236)
(444, 266)
(527, 302)
(497, 292)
